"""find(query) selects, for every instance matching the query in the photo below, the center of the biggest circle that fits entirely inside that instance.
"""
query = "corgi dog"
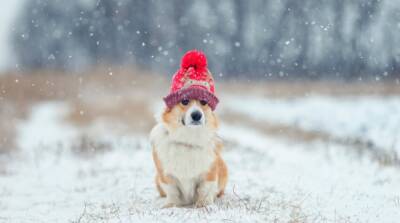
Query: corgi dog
(185, 144)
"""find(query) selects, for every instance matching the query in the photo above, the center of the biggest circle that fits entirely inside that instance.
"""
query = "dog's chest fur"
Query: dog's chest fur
(182, 160)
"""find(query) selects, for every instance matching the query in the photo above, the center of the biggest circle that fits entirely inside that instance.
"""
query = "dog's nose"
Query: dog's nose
(196, 116)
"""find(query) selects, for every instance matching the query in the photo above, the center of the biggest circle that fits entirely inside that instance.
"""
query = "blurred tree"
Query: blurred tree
(281, 39)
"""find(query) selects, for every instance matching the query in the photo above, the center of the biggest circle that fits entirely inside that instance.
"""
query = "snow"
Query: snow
(44, 128)
(323, 180)
(373, 119)
(271, 179)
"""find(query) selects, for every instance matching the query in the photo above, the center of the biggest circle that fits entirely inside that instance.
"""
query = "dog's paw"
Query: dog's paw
(204, 202)
(169, 205)
(172, 204)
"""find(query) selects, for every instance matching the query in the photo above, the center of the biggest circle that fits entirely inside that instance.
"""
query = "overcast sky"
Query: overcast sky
(8, 13)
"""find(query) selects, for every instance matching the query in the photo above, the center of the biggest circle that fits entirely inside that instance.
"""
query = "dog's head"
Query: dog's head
(191, 121)
(189, 115)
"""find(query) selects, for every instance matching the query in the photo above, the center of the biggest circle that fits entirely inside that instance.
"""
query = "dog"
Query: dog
(186, 147)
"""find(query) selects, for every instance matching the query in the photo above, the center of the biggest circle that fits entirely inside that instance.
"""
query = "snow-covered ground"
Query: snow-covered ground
(272, 179)
(372, 119)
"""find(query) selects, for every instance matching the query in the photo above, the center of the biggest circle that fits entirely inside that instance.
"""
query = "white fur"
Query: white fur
(197, 136)
(187, 165)
(173, 195)
(206, 193)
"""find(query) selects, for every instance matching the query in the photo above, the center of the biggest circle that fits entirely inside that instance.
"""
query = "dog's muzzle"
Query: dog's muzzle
(194, 117)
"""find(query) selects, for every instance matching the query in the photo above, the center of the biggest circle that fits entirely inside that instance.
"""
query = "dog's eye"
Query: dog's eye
(203, 102)
(185, 101)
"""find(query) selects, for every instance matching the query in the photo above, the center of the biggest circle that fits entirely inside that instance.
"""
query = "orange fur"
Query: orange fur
(160, 177)
(222, 169)
(219, 172)
(222, 175)
(211, 175)
(158, 184)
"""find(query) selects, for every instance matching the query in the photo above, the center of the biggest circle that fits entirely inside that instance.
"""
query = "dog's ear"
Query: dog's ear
(165, 115)
(166, 111)
(158, 115)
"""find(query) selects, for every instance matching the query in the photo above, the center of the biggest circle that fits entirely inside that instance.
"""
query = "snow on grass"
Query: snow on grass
(45, 127)
(326, 182)
(270, 180)
(372, 119)
(51, 184)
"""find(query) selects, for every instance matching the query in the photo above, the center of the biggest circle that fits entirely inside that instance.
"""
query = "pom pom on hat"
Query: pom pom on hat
(195, 59)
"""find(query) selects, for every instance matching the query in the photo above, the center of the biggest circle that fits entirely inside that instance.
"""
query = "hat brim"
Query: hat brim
(191, 93)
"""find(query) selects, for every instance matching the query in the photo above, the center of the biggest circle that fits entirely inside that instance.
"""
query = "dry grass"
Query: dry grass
(268, 206)
(118, 98)
(6, 125)
(19, 92)
(87, 146)
(116, 94)
(300, 88)
(124, 96)
(133, 114)
(10, 114)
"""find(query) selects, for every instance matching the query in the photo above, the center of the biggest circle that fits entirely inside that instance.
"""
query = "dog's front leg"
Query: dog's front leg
(173, 195)
(206, 193)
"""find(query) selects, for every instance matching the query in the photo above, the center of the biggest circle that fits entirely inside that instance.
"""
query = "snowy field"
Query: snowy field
(373, 120)
(65, 171)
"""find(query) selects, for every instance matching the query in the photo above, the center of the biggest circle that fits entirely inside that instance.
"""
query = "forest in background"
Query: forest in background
(286, 39)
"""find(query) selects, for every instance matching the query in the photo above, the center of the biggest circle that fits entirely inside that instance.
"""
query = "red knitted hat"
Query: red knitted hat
(192, 81)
